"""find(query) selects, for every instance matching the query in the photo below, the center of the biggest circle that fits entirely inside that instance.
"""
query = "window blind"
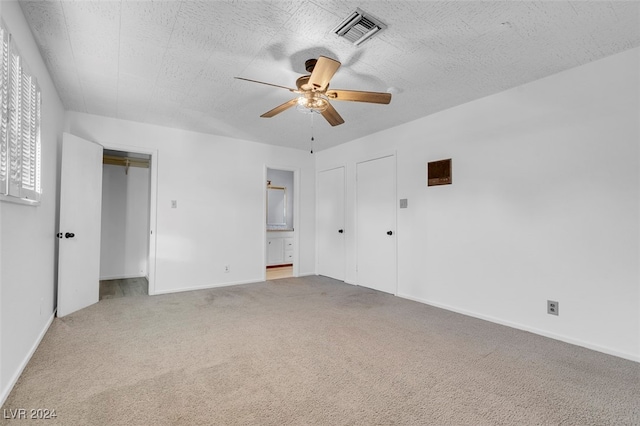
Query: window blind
(20, 115)
(29, 138)
(4, 94)
(15, 127)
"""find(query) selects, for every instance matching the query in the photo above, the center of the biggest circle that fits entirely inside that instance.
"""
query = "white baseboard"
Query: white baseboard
(563, 338)
(5, 392)
(204, 287)
(226, 284)
(122, 277)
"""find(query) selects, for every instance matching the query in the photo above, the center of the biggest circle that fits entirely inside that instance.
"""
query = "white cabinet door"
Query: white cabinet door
(331, 249)
(376, 224)
(275, 251)
(79, 228)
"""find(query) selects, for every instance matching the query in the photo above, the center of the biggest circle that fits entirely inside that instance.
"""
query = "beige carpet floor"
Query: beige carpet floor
(112, 289)
(312, 351)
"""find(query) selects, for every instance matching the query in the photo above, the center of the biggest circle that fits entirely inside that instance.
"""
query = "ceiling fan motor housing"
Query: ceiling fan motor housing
(310, 64)
(303, 84)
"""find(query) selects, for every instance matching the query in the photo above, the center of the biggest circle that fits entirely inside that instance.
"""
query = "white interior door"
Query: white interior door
(331, 250)
(79, 230)
(376, 224)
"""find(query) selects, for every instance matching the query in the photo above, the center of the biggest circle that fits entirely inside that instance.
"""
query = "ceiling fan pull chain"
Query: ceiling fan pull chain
(312, 133)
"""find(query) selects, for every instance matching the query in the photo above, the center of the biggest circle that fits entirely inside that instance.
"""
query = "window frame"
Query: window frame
(20, 126)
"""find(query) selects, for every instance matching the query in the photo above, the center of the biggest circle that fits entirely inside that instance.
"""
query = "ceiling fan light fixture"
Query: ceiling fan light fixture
(315, 103)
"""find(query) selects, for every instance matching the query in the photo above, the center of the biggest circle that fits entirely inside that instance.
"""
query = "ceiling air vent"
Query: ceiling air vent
(359, 27)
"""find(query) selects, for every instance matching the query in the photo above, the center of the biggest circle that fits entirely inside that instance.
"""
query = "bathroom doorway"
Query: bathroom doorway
(280, 219)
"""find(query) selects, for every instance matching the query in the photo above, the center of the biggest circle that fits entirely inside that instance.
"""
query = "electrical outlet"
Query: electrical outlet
(227, 268)
(553, 307)
(174, 204)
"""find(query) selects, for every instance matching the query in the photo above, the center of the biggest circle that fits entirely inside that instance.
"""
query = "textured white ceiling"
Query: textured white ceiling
(172, 63)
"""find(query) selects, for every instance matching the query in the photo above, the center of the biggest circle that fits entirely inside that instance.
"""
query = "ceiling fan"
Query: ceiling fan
(314, 93)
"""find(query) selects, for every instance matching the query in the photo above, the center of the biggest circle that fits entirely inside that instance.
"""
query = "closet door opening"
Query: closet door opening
(124, 243)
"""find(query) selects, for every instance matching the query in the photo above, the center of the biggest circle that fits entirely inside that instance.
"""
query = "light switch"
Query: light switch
(174, 204)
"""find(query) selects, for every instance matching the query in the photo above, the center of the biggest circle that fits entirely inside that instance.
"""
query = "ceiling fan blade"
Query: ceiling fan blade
(277, 110)
(356, 96)
(322, 73)
(268, 84)
(332, 116)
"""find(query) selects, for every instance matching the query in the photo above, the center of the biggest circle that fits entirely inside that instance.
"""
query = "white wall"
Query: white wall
(219, 185)
(125, 222)
(27, 258)
(544, 205)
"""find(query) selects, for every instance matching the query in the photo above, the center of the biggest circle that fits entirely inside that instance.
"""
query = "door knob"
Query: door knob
(340, 231)
(69, 235)
(59, 235)
(389, 232)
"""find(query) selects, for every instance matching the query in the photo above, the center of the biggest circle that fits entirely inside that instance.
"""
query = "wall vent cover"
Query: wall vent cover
(359, 27)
